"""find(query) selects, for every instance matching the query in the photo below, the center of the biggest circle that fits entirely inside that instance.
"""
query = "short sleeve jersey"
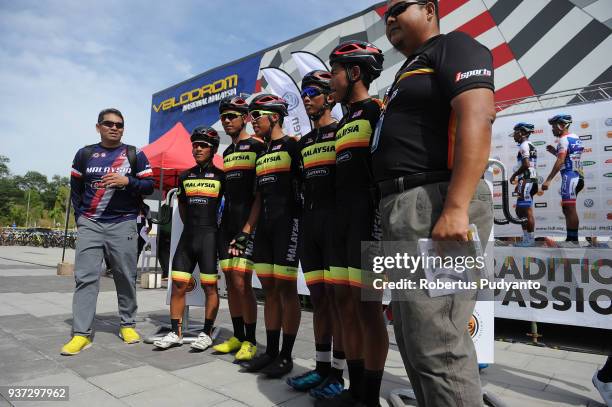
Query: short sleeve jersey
(353, 141)
(239, 166)
(278, 171)
(201, 190)
(571, 145)
(417, 129)
(528, 151)
(106, 204)
(318, 155)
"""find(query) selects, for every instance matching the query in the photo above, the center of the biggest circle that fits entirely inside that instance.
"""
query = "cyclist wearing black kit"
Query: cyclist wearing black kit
(276, 240)
(199, 197)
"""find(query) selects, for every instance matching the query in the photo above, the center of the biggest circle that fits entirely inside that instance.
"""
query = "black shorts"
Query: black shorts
(316, 244)
(234, 218)
(196, 246)
(275, 254)
(356, 220)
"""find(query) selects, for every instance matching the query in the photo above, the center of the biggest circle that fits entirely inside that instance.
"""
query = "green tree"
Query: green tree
(4, 170)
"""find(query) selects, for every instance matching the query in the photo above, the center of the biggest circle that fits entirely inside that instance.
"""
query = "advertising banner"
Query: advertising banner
(194, 102)
(280, 83)
(593, 124)
(575, 285)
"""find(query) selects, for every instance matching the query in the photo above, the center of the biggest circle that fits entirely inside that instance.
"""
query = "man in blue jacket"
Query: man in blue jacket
(107, 182)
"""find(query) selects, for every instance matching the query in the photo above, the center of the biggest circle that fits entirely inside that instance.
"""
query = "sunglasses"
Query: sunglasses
(201, 144)
(257, 114)
(311, 92)
(110, 124)
(399, 8)
(230, 115)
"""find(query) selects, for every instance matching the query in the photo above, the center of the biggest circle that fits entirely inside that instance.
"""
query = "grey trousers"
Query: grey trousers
(120, 243)
(432, 333)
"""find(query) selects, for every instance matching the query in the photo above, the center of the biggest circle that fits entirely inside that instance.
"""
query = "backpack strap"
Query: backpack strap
(131, 156)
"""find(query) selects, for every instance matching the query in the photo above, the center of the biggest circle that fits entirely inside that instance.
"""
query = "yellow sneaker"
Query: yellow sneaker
(247, 351)
(76, 345)
(129, 335)
(231, 345)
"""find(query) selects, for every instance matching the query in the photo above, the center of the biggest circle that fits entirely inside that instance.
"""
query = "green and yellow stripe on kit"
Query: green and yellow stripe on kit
(278, 271)
(180, 276)
(314, 277)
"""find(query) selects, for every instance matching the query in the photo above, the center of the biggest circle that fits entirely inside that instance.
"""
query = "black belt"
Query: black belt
(401, 184)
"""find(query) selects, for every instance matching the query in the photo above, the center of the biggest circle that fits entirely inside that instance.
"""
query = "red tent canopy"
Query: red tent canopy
(172, 153)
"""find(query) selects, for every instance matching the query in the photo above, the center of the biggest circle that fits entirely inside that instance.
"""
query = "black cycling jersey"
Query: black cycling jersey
(417, 128)
(318, 151)
(201, 190)
(353, 140)
(278, 173)
(239, 166)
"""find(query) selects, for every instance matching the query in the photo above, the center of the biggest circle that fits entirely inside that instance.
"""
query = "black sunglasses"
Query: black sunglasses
(110, 124)
(399, 8)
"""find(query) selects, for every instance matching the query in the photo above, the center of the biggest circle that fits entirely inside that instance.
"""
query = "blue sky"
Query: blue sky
(61, 62)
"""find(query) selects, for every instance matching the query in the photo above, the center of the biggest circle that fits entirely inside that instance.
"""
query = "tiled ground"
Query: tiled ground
(35, 321)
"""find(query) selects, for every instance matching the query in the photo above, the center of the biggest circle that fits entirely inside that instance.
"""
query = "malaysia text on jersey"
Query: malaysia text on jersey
(109, 204)
(318, 152)
(417, 129)
(201, 189)
(276, 240)
(239, 162)
(353, 138)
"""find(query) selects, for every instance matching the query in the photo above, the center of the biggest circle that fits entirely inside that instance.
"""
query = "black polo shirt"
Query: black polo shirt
(417, 129)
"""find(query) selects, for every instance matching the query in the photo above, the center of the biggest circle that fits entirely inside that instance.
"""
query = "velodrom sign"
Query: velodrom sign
(195, 101)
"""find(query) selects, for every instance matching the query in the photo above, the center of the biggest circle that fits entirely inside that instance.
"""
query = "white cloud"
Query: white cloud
(63, 61)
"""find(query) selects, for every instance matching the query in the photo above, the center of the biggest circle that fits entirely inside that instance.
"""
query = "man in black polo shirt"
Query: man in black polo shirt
(429, 153)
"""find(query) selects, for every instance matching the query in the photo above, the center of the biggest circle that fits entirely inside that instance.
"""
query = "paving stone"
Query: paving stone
(522, 397)
(15, 354)
(184, 394)
(177, 358)
(573, 387)
(548, 366)
(96, 398)
(132, 381)
(29, 369)
(97, 361)
(513, 359)
(76, 384)
(14, 323)
(537, 350)
(599, 360)
(259, 392)
(507, 375)
(231, 403)
(501, 345)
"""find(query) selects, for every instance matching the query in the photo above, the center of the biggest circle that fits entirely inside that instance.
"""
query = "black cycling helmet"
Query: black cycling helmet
(565, 119)
(364, 54)
(269, 102)
(235, 103)
(525, 127)
(207, 135)
(318, 78)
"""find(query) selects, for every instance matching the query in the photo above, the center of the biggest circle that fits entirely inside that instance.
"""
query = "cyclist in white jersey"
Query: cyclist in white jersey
(527, 185)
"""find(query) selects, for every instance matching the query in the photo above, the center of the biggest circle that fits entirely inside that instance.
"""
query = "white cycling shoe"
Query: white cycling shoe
(202, 343)
(170, 340)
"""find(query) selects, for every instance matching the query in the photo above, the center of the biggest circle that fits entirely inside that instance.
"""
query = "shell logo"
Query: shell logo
(473, 326)
(609, 134)
(584, 125)
(496, 171)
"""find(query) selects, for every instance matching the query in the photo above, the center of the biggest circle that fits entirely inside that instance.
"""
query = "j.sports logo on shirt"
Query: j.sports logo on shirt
(476, 72)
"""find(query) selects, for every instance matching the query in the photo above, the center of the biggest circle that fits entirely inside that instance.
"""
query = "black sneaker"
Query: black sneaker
(257, 363)
(278, 368)
(344, 399)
